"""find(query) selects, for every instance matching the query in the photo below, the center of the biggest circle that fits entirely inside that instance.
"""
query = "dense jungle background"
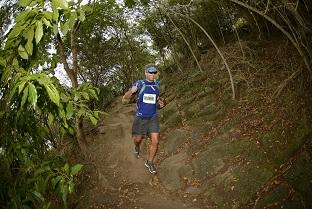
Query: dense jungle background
(236, 131)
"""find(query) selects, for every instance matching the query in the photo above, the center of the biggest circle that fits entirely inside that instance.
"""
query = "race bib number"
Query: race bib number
(149, 98)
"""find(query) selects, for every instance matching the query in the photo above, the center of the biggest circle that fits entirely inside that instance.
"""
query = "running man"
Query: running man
(146, 118)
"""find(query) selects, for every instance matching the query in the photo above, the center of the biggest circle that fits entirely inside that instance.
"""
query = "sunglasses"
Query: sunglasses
(152, 72)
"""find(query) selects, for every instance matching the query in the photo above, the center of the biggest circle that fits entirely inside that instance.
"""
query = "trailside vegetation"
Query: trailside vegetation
(36, 111)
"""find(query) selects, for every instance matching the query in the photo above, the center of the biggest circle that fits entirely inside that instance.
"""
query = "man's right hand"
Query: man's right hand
(134, 88)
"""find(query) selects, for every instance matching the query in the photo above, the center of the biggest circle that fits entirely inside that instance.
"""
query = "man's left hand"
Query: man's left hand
(161, 103)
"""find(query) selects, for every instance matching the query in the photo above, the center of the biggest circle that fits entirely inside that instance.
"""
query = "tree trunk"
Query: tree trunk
(81, 138)
(80, 135)
(72, 74)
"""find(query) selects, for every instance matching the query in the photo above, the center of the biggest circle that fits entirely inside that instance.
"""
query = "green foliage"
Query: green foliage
(113, 56)
(170, 26)
(31, 184)
(30, 114)
(36, 111)
(82, 95)
(106, 96)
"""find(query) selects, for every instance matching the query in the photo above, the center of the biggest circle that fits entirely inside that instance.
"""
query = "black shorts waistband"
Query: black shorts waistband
(146, 118)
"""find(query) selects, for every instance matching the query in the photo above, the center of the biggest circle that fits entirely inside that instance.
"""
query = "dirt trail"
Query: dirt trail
(121, 180)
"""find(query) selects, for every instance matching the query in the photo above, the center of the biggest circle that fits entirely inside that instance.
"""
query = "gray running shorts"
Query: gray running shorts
(144, 126)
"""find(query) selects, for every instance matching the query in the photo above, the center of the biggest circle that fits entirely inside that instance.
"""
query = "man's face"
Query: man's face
(150, 76)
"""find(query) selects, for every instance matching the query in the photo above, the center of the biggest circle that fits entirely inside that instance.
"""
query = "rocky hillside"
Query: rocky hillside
(251, 152)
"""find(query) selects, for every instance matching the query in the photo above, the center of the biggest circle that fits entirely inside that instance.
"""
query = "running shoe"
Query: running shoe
(136, 151)
(151, 167)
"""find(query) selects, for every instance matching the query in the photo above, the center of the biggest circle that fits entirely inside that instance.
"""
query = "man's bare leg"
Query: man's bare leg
(153, 146)
(137, 139)
(152, 152)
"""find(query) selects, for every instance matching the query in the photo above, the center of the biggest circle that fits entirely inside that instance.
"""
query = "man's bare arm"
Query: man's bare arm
(127, 97)
(129, 94)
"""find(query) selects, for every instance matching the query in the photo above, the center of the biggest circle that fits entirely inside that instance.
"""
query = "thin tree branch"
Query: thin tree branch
(63, 57)
(187, 43)
(280, 88)
(280, 28)
(168, 32)
(267, 7)
(219, 52)
(75, 56)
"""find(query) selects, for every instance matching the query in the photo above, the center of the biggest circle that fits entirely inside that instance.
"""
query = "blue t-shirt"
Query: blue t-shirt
(147, 96)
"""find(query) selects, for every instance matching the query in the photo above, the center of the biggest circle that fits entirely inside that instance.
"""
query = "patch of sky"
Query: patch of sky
(61, 75)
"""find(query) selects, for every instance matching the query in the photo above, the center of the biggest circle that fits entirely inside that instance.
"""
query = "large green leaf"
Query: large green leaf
(55, 29)
(46, 22)
(93, 93)
(22, 52)
(24, 3)
(42, 78)
(64, 191)
(55, 14)
(55, 181)
(29, 44)
(65, 28)
(32, 95)
(30, 33)
(38, 195)
(33, 3)
(60, 4)
(62, 114)
(50, 119)
(85, 95)
(71, 187)
(13, 83)
(6, 75)
(21, 86)
(66, 168)
(72, 19)
(86, 8)
(39, 31)
(47, 15)
(82, 15)
(81, 112)
(29, 47)
(25, 95)
(2, 61)
(22, 17)
(69, 110)
(93, 119)
(75, 169)
(53, 93)
(63, 4)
